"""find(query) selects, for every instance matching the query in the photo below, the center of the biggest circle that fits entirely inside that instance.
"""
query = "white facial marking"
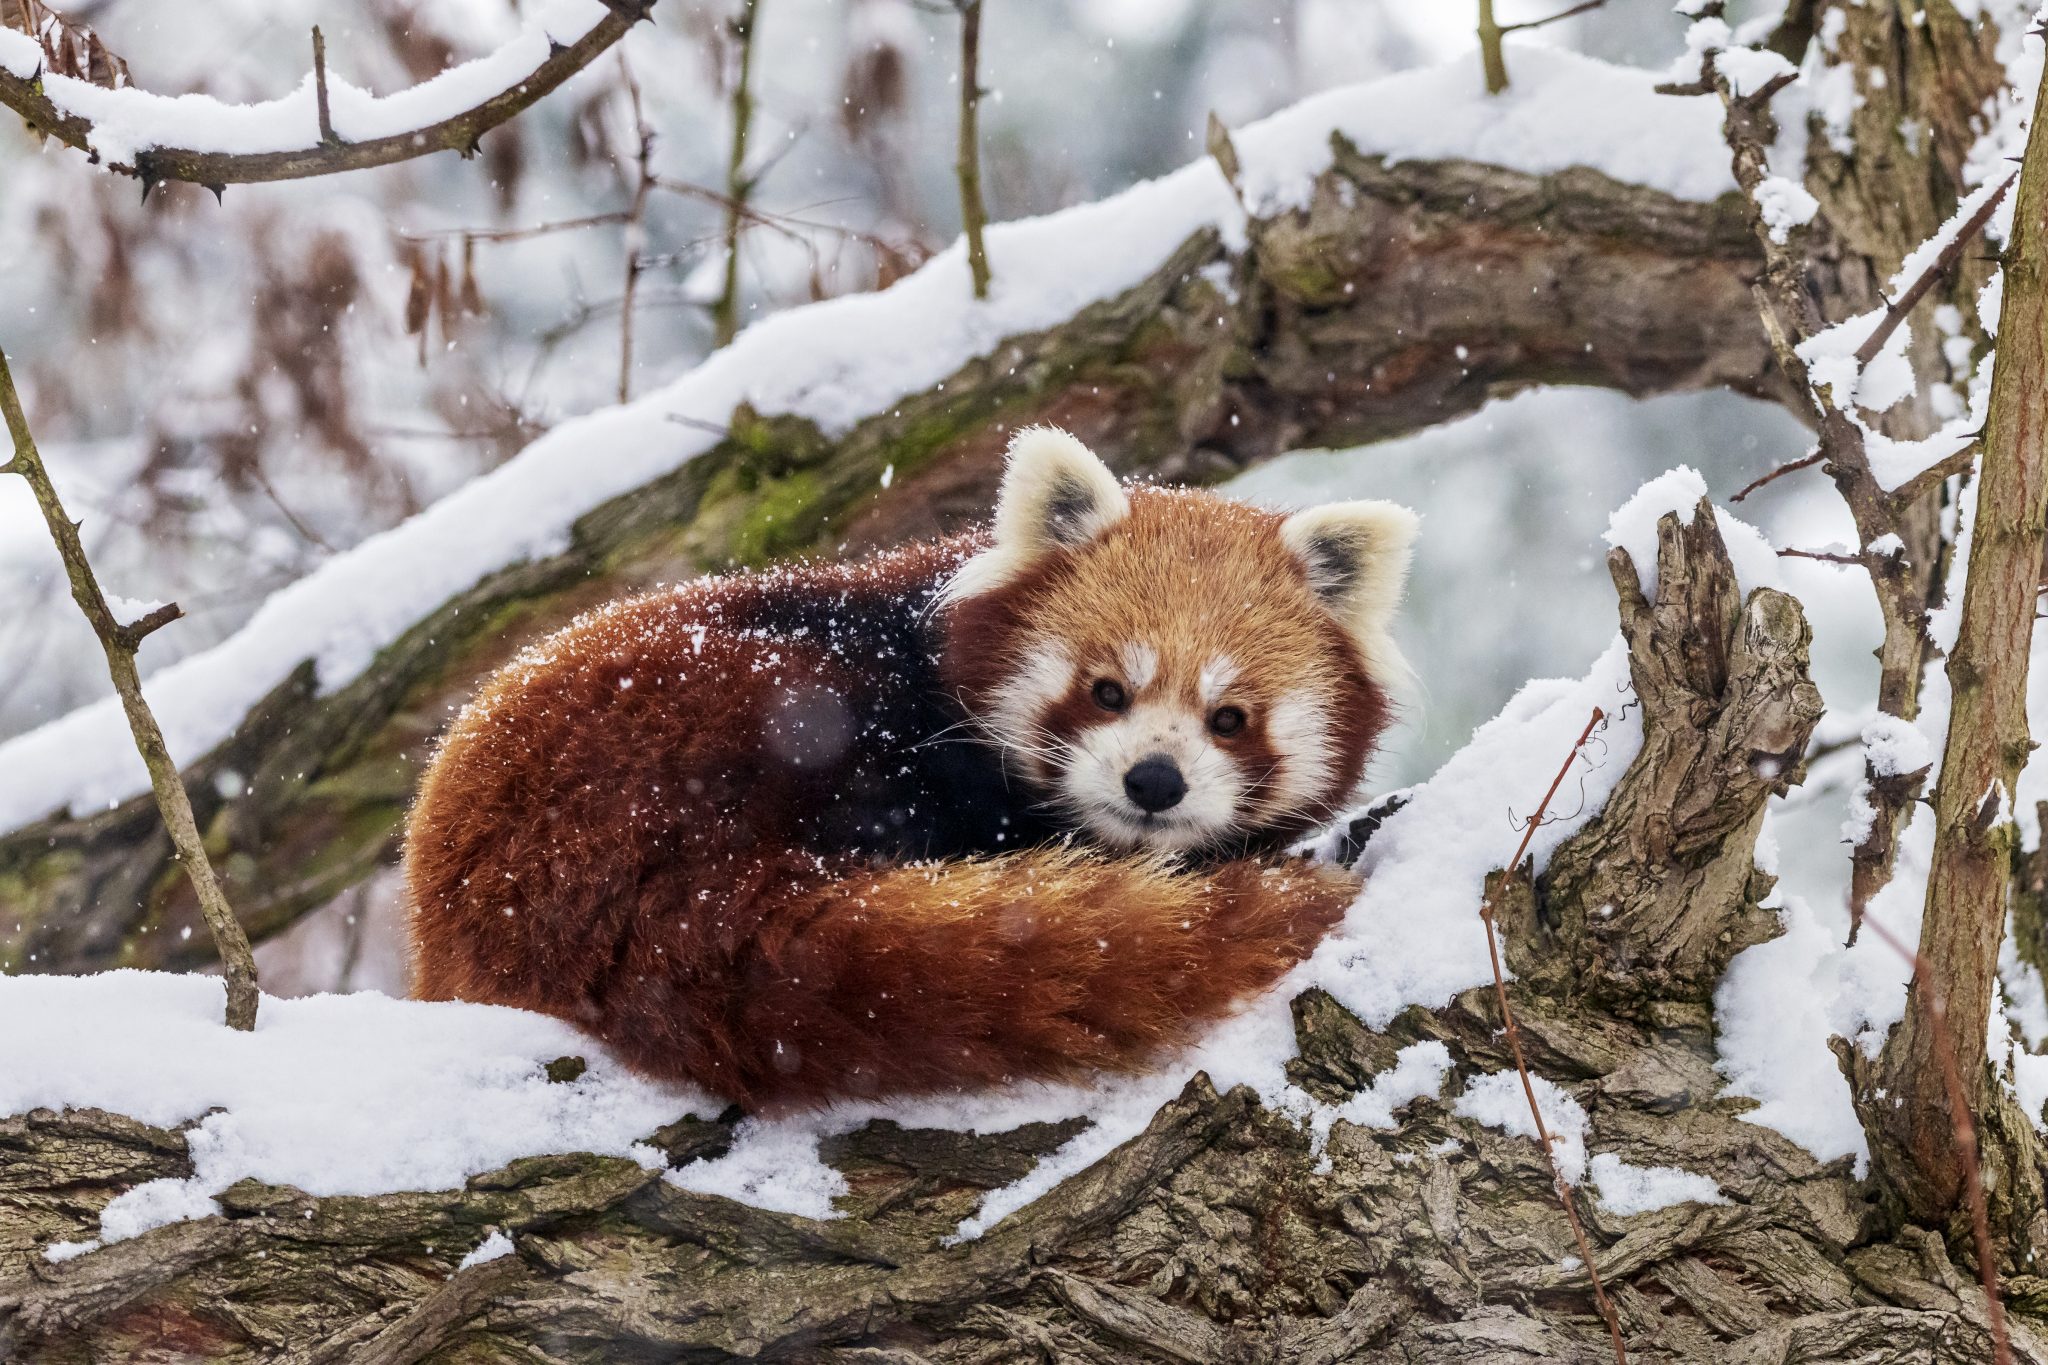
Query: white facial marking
(1093, 780)
(1216, 677)
(1298, 728)
(1016, 705)
(1141, 665)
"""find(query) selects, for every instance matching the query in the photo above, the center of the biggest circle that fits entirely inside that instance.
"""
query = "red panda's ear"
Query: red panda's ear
(1355, 557)
(1056, 496)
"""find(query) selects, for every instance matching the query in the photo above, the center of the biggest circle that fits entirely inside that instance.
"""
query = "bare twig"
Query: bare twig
(119, 642)
(1806, 461)
(967, 163)
(1896, 310)
(1507, 1018)
(1935, 475)
(1583, 8)
(1825, 557)
(1490, 58)
(28, 97)
(739, 186)
(1964, 1129)
(636, 225)
(327, 137)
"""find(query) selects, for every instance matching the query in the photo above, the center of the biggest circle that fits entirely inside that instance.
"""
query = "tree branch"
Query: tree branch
(1356, 319)
(725, 314)
(119, 643)
(967, 164)
(29, 98)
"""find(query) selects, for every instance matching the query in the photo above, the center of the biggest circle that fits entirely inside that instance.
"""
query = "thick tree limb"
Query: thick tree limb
(458, 133)
(1402, 296)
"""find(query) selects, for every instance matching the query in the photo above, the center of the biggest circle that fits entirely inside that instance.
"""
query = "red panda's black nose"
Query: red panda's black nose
(1154, 785)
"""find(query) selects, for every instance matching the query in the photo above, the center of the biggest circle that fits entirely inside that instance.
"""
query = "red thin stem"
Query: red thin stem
(1507, 1015)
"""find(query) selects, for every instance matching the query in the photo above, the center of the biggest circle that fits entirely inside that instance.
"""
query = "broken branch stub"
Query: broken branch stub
(1650, 901)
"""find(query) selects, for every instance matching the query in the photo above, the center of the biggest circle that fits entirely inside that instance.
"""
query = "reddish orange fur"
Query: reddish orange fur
(601, 838)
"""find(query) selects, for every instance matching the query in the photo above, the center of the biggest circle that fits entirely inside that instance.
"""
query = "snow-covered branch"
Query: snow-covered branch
(324, 126)
(1385, 278)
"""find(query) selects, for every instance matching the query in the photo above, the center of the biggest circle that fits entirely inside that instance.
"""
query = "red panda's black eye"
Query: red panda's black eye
(1226, 720)
(1109, 696)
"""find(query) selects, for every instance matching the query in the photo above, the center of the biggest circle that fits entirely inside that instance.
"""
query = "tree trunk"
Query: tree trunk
(1363, 316)
(1906, 1104)
(1216, 1236)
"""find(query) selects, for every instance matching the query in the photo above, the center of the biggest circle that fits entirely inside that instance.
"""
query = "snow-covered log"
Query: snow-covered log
(1415, 1223)
(1367, 273)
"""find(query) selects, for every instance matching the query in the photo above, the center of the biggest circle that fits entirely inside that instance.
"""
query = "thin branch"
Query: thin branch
(1936, 474)
(457, 133)
(967, 162)
(1825, 557)
(1964, 1129)
(636, 226)
(1806, 461)
(1553, 18)
(1507, 1018)
(515, 234)
(1895, 311)
(119, 643)
(327, 135)
(738, 187)
(1490, 58)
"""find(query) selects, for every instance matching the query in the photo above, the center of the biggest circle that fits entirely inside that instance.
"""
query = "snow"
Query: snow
(1497, 1100)
(1633, 528)
(355, 1094)
(842, 361)
(1784, 204)
(1750, 69)
(492, 1248)
(1626, 1189)
(130, 121)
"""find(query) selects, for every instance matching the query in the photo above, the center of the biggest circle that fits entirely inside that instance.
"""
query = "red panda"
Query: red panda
(1002, 806)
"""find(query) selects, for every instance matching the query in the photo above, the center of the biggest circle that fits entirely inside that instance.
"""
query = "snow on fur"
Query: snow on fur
(842, 361)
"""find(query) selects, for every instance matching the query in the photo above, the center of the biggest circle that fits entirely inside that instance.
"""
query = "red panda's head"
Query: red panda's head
(1172, 670)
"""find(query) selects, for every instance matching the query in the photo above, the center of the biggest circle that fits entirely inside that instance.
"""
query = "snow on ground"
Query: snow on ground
(844, 360)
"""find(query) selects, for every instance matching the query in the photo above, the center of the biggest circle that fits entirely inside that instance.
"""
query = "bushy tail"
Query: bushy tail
(926, 978)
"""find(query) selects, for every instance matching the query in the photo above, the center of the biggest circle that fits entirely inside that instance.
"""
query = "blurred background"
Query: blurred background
(228, 394)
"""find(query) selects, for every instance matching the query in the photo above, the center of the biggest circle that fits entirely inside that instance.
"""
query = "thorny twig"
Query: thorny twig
(1965, 1130)
(1507, 1016)
(119, 642)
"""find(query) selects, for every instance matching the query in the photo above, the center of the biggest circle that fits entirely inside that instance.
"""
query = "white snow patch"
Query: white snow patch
(492, 1248)
(1497, 1100)
(1626, 1189)
(1633, 528)
(356, 1094)
(1784, 204)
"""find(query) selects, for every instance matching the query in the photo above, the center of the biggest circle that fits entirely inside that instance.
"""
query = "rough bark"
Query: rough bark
(1218, 1235)
(1401, 296)
(1660, 891)
(1905, 1103)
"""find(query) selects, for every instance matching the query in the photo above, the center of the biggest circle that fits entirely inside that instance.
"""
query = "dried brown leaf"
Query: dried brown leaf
(69, 49)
